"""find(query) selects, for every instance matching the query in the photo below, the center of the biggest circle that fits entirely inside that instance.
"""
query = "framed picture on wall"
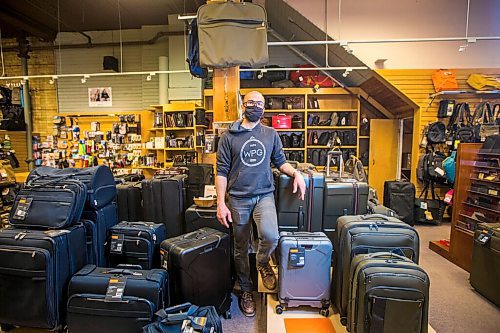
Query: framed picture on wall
(100, 97)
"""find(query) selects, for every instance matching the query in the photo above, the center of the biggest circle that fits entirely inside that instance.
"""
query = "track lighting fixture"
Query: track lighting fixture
(347, 72)
(148, 78)
(462, 48)
(84, 78)
(53, 79)
(346, 47)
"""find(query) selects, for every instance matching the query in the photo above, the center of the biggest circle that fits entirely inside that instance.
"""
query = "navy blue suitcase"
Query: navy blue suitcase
(35, 268)
(136, 243)
(48, 205)
(102, 219)
(145, 293)
(101, 186)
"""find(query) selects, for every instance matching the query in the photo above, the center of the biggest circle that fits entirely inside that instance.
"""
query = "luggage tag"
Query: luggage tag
(22, 208)
(115, 290)
(117, 241)
(164, 259)
(423, 205)
(484, 237)
(297, 257)
(428, 215)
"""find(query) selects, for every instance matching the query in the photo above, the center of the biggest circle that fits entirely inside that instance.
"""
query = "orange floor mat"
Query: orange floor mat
(309, 325)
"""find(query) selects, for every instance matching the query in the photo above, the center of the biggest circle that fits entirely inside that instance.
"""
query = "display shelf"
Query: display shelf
(486, 93)
(285, 111)
(484, 194)
(290, 130)
(201, 126)
(330, 110)
(294, 149)
(486, 181)
(179, 128)
(328, 147)
(364, 137)
(332, 127)
(481, 207)
(156, 129)
(182, 148)
(464, 230)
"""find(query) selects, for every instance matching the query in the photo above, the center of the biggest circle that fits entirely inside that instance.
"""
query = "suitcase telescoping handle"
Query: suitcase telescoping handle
(332, 154)
(202, 216)
(374, 217)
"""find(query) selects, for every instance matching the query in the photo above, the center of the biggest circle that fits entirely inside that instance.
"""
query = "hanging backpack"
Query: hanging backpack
(449, 167)
(434, 170)
(436, 133)
(193, 59)
(459, 126)
(446, 107)
(483, 122)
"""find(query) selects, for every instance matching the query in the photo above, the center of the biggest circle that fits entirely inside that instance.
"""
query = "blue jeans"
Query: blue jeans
(263, 210)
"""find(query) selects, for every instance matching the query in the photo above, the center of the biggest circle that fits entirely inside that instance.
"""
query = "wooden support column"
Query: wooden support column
(226, 86)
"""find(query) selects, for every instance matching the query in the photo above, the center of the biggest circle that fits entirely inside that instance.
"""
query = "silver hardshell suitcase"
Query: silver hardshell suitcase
(388, 293)
(304, 270)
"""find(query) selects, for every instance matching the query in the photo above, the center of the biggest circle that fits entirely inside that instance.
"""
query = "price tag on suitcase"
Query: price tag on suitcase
(297, 257)
(115, 290)
(117, 243)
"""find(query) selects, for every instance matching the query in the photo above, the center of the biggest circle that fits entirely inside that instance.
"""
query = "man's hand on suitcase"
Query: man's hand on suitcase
(299, 183)
(224, 215)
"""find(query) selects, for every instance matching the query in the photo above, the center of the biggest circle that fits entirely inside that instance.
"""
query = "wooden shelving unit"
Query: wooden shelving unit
(470, 205)
(331, 100)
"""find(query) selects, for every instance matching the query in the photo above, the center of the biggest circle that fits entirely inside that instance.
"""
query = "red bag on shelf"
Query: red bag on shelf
(282, 121)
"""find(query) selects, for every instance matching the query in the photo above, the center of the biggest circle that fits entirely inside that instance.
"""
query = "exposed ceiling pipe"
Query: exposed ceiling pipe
(151, 41)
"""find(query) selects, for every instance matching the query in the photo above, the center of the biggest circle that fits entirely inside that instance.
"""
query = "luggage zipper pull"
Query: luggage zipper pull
(95, 202)
(20, 236)
(33, 254)
(137, 242)
(139, 234)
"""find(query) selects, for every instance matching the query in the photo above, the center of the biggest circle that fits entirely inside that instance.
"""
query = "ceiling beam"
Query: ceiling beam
(376, 104)
(23, 23)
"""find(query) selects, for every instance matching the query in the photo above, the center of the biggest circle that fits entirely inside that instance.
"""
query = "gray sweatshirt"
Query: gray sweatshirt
(244, 157)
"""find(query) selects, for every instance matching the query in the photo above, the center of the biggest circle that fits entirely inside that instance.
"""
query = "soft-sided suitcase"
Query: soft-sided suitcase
(388, 293)
(199, 267)
(400, 197)
(164, 202)
(98, 222)
(92, 307)
(35, 268)
(295, 214)
(197, 218)
(101, 186)
(48, 205)
(304, 270)
(129, 202)
(136, 243)
(485, 270)
(367, 234)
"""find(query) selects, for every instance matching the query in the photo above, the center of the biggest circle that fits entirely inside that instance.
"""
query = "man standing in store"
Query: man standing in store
(244, 172)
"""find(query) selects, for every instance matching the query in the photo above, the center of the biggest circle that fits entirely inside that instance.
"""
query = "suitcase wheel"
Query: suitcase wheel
(227, 314)
(6, 327)
(279, 309)
(324, 312)
(343, 321)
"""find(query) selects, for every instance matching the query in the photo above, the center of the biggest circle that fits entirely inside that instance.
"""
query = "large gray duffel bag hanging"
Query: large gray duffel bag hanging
(232, 34)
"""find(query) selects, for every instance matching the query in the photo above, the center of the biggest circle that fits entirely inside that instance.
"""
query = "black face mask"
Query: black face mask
(253, 113)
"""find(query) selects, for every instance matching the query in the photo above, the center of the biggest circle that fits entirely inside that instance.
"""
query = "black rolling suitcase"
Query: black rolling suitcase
(295, 214)
(364, 234)
(136, 243)
(400, 197)
(35, 268)
(485, 270)
(388, 293)
(51, 204)
(197, 218)
(129, 202)
(199, 267)
(342, 196)
(164, 199)
(97, 223)
(95, 305)
(100, 182)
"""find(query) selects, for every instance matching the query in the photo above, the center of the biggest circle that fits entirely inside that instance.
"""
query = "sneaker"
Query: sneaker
(268, 277)
(247, 304)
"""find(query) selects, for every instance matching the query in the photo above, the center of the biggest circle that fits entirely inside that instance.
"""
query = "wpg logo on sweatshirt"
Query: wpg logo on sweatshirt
(253, 152)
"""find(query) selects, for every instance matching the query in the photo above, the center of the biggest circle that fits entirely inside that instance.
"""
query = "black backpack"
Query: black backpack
(349, 138)
(296, 140)
(433, 167)
(323, 156)
(5, 96)
(436, 133)
(13, 118)
(315, 157)
(343, 119)
(286, 141)
(193, 59)
(446, 107)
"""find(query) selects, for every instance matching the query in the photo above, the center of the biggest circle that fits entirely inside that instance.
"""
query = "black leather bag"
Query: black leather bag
(446, 107)
(286, 141)
(465, 134)
(296, 140)
(297, 121)
(273, 76)
(428, 210)
(323, 156)
(324, 138)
